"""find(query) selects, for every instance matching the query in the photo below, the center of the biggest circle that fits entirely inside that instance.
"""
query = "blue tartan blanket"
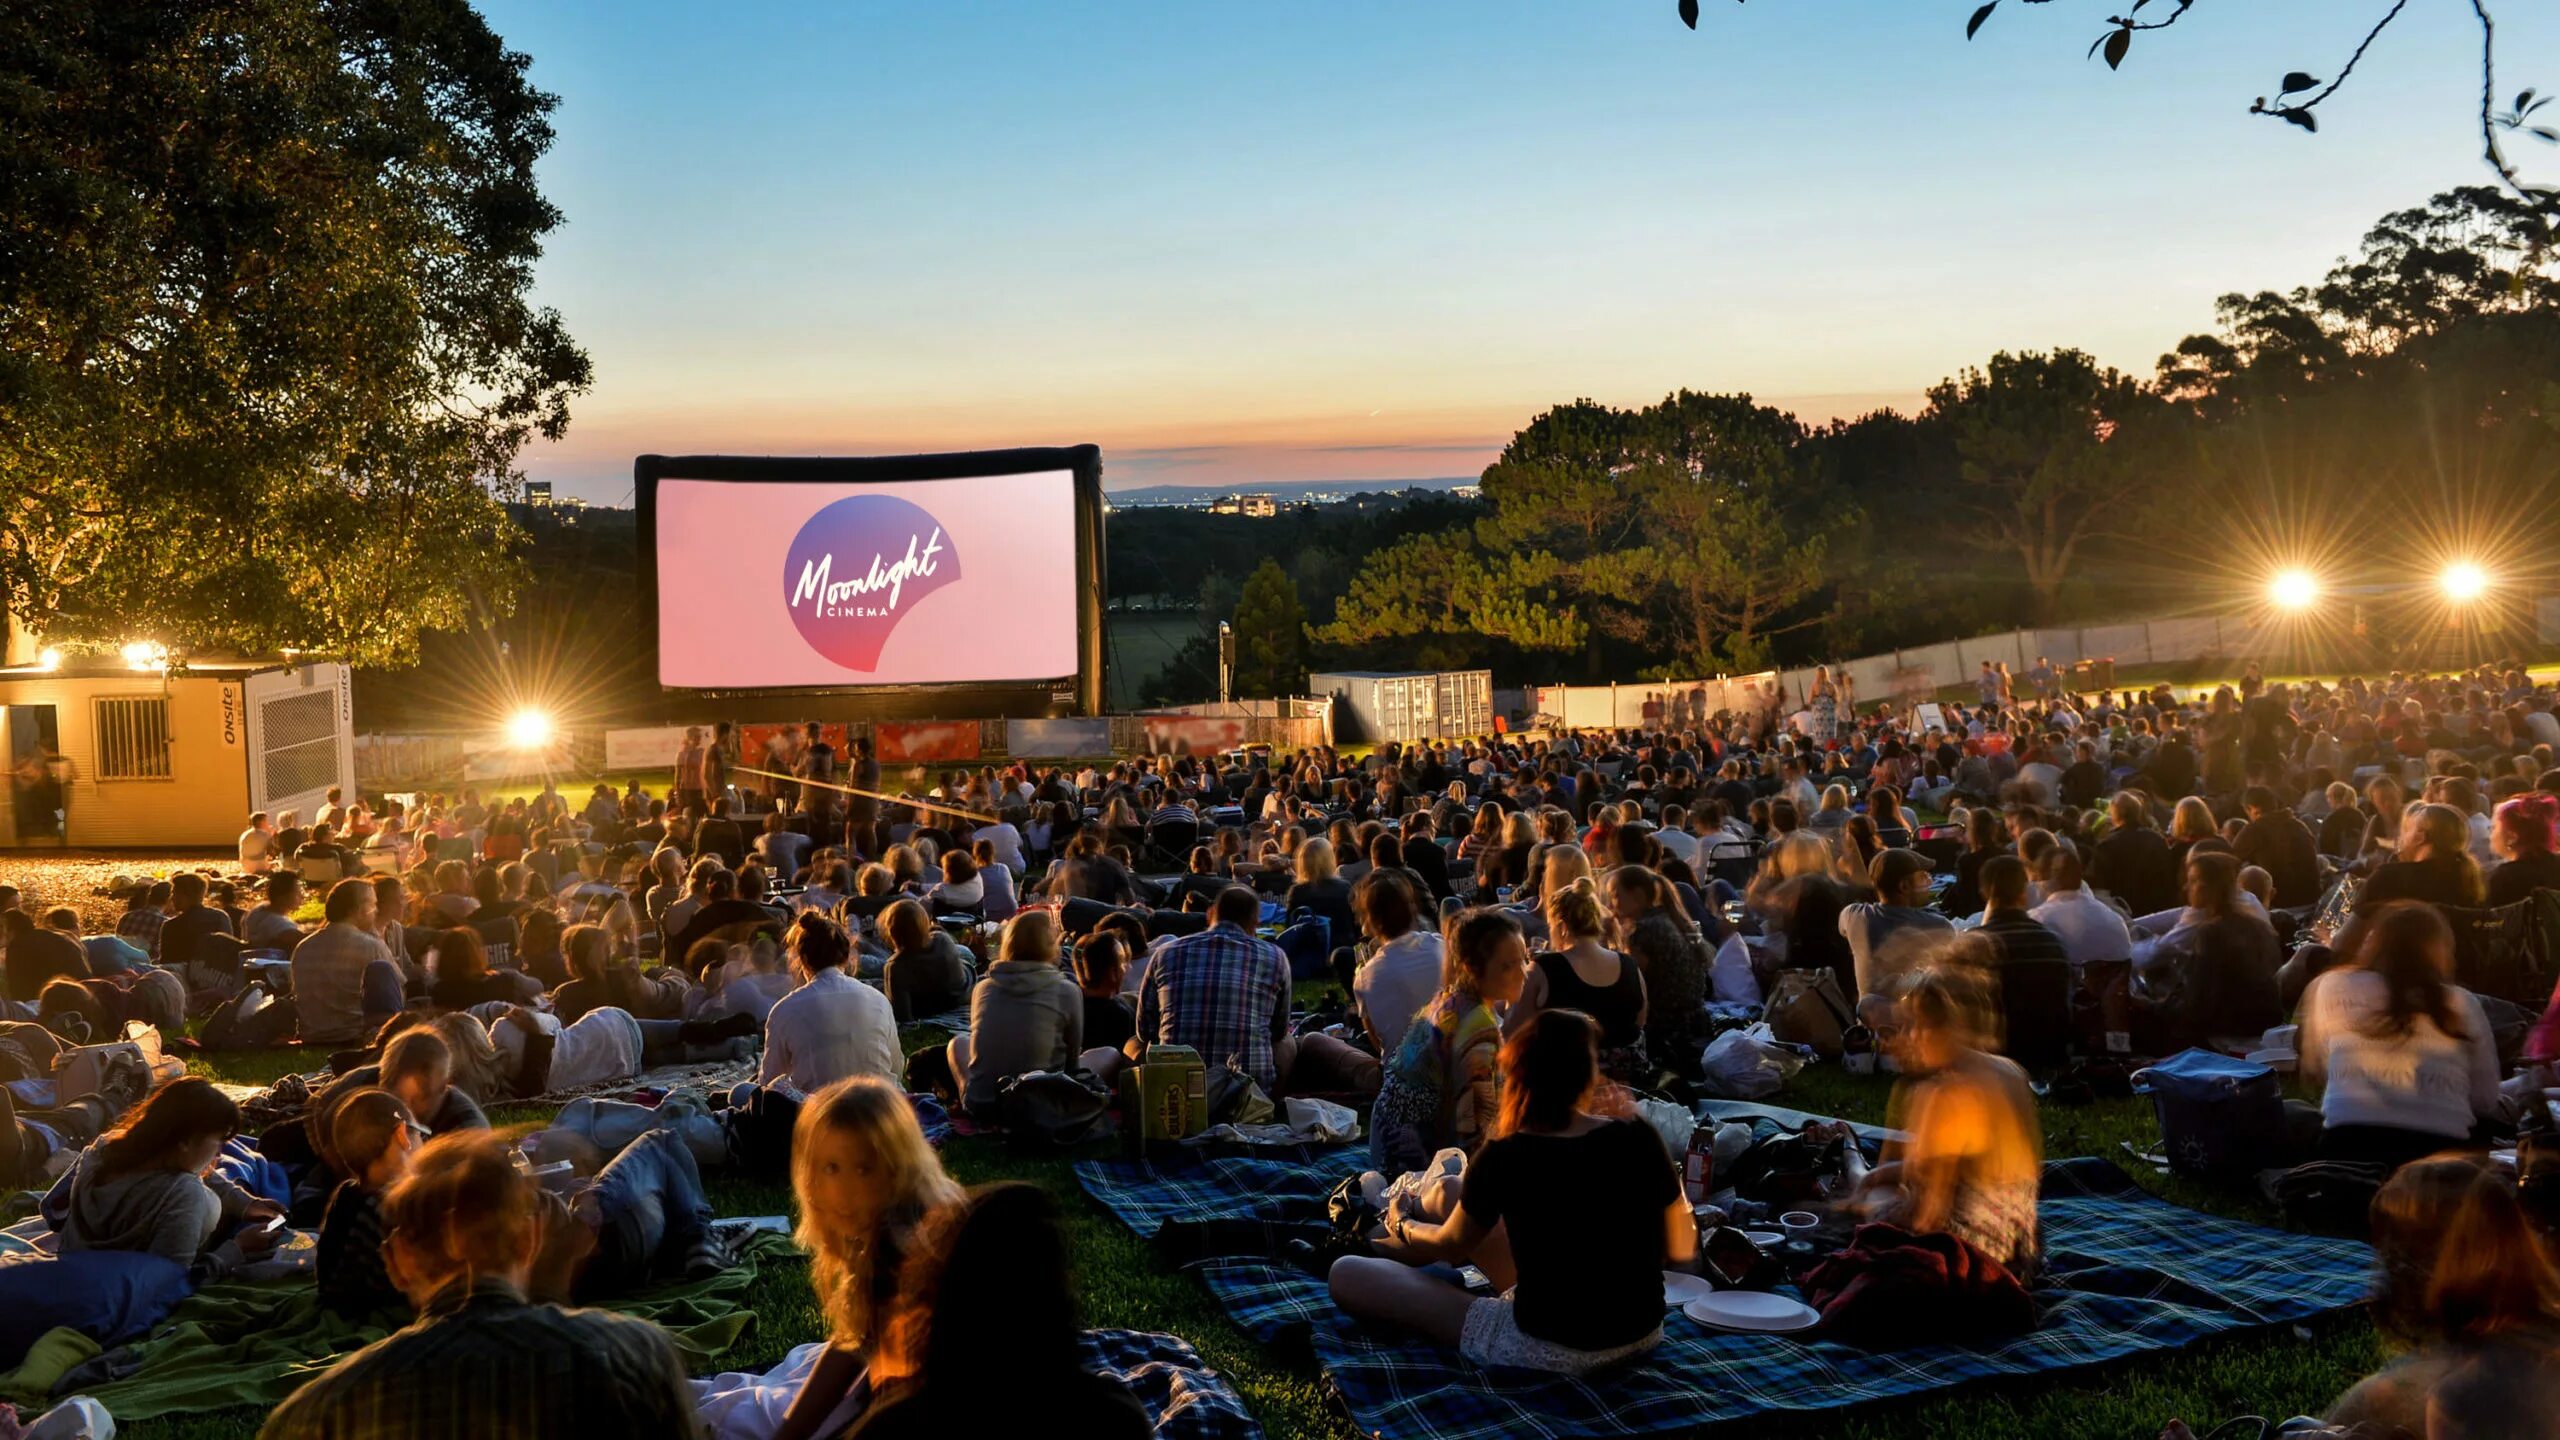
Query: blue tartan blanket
(1185, 1399)
(2125, 1273)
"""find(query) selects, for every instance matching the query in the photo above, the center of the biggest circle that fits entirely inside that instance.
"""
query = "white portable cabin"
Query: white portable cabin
(102, 755)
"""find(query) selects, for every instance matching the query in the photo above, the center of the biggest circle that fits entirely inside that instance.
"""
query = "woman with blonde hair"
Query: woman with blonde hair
(866, 1181)
(1833, 814)
(1027, 1014)
(1583, 973)
(1971, 1155)
(1800, 894)
(1321, 890)
(1505, 865)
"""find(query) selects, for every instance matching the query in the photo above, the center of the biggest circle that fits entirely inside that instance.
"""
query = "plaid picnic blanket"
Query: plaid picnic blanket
(2125, 1273)
(1184, 1398)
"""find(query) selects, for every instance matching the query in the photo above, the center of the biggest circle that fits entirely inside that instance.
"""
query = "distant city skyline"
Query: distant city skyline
(1243, 245)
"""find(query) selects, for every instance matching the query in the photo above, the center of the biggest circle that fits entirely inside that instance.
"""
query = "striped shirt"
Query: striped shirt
(481, 1363)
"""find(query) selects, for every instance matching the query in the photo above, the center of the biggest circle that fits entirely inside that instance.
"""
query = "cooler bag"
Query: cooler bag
(2220, 1118)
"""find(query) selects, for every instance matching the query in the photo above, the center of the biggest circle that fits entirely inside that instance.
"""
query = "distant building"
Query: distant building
(1259, 507)
(537, 492)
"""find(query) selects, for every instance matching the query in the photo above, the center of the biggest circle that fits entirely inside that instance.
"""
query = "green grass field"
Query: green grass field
(2278, 1373)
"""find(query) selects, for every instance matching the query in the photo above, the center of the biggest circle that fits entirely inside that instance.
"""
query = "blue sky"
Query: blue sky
(1230, 242)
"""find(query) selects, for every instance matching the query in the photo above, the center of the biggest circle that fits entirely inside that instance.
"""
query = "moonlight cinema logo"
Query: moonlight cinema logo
(857, 568)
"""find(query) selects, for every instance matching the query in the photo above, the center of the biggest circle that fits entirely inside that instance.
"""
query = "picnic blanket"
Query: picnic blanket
(240, 1343)
(1184, 1398)
(2126, 1273)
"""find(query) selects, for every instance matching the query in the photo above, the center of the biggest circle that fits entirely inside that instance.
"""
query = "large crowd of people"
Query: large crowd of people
(1525, 933)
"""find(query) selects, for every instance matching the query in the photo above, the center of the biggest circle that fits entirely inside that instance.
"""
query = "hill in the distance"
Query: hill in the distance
(1280, 490)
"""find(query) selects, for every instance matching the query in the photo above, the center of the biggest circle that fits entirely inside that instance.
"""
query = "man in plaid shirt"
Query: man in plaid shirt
(1224, 991)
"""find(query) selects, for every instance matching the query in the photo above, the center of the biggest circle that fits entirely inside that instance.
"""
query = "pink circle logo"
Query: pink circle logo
(857, 568)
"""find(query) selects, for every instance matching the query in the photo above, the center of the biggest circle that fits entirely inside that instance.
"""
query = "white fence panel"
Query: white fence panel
(1871, 679)
(1944, 661)
(2124, 644)
(1590, 707)
(2062, 647)
(2185, 639)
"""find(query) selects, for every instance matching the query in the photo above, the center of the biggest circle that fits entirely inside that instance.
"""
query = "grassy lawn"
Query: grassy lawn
(2278, 1373)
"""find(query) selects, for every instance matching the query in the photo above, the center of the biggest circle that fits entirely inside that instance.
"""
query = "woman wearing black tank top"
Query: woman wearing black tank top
(1584, 974)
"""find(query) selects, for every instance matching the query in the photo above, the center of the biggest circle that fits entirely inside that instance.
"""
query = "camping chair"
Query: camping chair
(321, 870)
(1171, 841)
(2035, 998)
(381, 862)
(497, 932)
(456, 848)
(1734, 862)
(2507, 952)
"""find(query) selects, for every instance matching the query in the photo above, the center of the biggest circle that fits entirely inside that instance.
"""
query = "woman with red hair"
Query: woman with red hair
(2524, 836)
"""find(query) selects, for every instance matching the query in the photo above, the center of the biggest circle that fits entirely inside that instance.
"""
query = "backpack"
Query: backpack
(2219, 1117)
(1045, 1110)
(1308, 942)
(1807, 1008)
(254, 1018)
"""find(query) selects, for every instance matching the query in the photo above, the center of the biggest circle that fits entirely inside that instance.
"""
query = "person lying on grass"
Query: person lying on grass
(1572, 1213)
(642, 1218)
(148, 1185)
(463, 1228)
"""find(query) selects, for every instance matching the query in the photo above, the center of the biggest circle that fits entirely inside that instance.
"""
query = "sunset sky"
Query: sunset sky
(1232, 243)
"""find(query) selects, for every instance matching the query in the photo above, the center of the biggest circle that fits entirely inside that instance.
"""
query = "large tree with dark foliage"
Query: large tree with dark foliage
(2299, 94)
(267, 354)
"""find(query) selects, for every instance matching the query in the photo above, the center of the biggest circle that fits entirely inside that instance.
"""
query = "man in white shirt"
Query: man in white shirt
(1674, 836)
(271, 926)
(2091, 929)
(831, 1027)
(258, 843)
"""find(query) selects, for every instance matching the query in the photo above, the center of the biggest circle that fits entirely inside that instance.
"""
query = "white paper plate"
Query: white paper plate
(1679, 1289)
(1752, 1310)
(1767, 1240)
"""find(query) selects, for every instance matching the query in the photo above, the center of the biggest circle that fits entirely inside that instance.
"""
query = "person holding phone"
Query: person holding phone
(149, 1185)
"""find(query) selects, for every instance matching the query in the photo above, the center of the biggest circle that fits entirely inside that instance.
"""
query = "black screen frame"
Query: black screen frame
(1079, 694)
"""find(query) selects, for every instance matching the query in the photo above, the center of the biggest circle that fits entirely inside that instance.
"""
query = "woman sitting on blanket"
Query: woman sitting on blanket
(1443, 1080)
(1582, 1210)
(865, 1180)
(1972, 1159)
(148, 1185)
(989, 1278)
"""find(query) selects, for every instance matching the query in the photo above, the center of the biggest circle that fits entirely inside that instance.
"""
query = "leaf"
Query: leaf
(2302, 118)
(2523, 98)
(1979, 16)
(1689, 13)
(2296, 80)
(2547, 133)
(2117, 44)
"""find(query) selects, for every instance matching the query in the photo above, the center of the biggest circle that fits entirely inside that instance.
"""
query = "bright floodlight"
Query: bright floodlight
(2294, 589)
(48, 659)
(145, 655)
(2463, 580)
(530, 730)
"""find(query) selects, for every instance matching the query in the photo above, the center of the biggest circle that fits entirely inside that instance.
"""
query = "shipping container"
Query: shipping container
(1378, 707)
